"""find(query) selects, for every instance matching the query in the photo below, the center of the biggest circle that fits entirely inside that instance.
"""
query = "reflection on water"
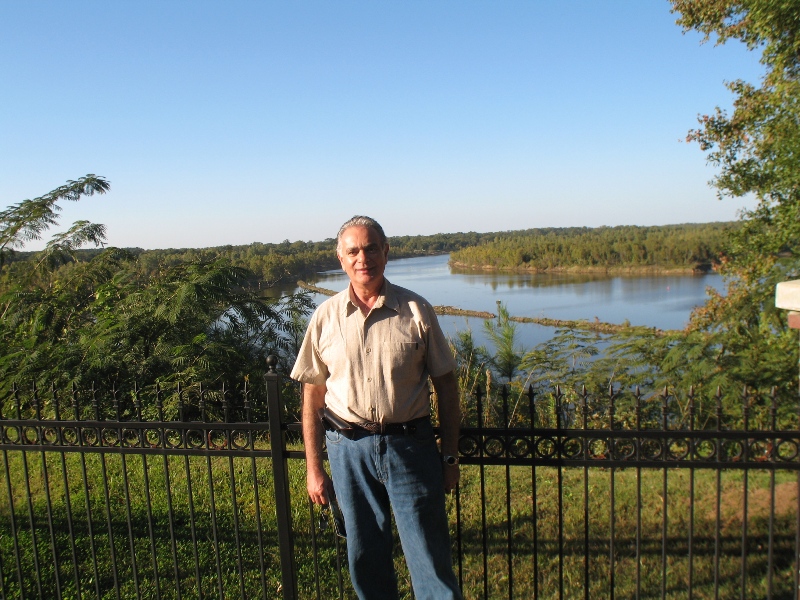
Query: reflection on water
(515, 280)
(663, 301)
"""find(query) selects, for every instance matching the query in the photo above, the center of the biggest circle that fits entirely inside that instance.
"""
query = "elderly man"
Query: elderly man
(365, 363)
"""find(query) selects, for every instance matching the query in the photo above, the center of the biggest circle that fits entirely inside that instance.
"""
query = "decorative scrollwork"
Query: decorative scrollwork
(110, 438)
(705, 449)
(69, 436)
(195, 438)
(572, 447)
(651, 449)
(624, 449)
(49, 436)
(678, 448)
(173, 438)
(786, 450)
(546, 447)
(468, 445)
(597, 449)
(11, 435)
(240, 440)
(30, 435)
(131, 438)
(90, 437)
(217, 439)
(760, 450)
(732, 450)
(154, 438)
(493, 446)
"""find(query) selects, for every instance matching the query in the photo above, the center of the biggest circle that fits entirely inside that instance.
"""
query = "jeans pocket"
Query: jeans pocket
(332, 437)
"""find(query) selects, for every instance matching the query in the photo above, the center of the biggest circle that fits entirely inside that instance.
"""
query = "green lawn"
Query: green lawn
(179, 530)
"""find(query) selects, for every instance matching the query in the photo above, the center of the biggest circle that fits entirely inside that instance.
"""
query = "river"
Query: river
(662, 301)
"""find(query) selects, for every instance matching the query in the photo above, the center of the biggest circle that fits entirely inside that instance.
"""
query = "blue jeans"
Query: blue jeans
(370, 474)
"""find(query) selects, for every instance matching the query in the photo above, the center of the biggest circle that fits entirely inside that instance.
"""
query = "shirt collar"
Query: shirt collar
(386, 297)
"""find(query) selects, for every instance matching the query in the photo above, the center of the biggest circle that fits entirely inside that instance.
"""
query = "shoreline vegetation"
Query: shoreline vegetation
(627, 249)
(600, 270)
(669, 249)
(596, 326)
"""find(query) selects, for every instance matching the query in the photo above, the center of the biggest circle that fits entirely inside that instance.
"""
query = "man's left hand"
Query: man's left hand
(452, 474)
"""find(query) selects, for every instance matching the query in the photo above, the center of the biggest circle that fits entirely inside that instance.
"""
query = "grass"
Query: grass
(217, 525)
(539, 555)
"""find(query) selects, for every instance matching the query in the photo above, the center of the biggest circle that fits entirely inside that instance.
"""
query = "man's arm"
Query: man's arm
(446, 387)
(317, 481)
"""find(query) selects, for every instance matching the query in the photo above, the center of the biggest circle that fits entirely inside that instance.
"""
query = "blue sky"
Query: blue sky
(233, 122)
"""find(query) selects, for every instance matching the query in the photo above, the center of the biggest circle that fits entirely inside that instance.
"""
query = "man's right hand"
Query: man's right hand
(319, 486)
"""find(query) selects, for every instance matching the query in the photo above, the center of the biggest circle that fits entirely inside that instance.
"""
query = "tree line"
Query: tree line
(289, 261)
(686, 247)
(670, 247)
(266, 263)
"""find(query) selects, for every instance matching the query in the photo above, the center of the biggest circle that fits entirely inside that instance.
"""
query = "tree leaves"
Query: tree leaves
(106, 321)
(26, 221)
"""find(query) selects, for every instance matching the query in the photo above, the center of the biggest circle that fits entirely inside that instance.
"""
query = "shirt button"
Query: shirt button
(369, 350)
(369, 378)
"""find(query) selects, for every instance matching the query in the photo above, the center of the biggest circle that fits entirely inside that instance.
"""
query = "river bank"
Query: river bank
(578, 270)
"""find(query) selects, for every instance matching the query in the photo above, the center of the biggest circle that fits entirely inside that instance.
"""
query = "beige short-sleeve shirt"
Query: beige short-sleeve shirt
(375, 367)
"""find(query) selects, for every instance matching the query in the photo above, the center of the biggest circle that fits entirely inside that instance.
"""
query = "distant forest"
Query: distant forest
(686, 247)
(692, 246)
(272, 262)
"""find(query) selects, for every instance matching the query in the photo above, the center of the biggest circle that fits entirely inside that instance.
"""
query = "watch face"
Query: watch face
(451, 460)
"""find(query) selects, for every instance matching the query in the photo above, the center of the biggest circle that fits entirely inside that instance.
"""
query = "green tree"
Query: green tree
(107, 321)
(25, 222)
(742, 338)
(502, 334)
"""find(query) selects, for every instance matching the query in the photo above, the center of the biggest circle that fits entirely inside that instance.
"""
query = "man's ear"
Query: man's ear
(386, 252)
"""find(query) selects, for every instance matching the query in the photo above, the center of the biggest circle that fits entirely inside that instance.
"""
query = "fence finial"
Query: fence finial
(272, 362)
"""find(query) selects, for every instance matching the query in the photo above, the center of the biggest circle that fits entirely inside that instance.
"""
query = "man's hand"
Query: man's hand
(446, 387)
(452, 475)
(319, 485)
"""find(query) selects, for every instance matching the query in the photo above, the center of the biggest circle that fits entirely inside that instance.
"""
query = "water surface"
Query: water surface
(663, 301)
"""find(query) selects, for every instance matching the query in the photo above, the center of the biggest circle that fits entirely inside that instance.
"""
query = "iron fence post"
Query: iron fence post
(280, 467)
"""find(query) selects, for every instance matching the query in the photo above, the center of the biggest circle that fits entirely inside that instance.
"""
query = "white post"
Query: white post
(787, 296)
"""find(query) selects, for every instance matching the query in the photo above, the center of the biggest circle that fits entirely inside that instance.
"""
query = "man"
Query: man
(366, 359)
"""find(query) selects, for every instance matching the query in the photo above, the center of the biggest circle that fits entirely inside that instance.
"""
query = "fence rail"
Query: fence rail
(201, 494)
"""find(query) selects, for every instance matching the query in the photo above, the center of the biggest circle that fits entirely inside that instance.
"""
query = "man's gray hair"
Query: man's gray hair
(361, 221)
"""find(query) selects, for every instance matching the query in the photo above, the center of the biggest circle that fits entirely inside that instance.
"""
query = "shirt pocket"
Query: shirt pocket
(403, 364)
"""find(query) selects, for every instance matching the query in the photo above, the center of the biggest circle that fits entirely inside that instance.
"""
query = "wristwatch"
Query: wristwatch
(450, 460)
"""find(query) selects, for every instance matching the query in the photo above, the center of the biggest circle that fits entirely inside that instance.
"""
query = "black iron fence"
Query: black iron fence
(200, 493)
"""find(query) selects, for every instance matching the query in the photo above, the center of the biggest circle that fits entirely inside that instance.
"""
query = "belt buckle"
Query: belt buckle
(372, 427)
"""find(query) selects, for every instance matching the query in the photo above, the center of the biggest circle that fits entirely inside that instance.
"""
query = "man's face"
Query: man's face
(363, 256)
